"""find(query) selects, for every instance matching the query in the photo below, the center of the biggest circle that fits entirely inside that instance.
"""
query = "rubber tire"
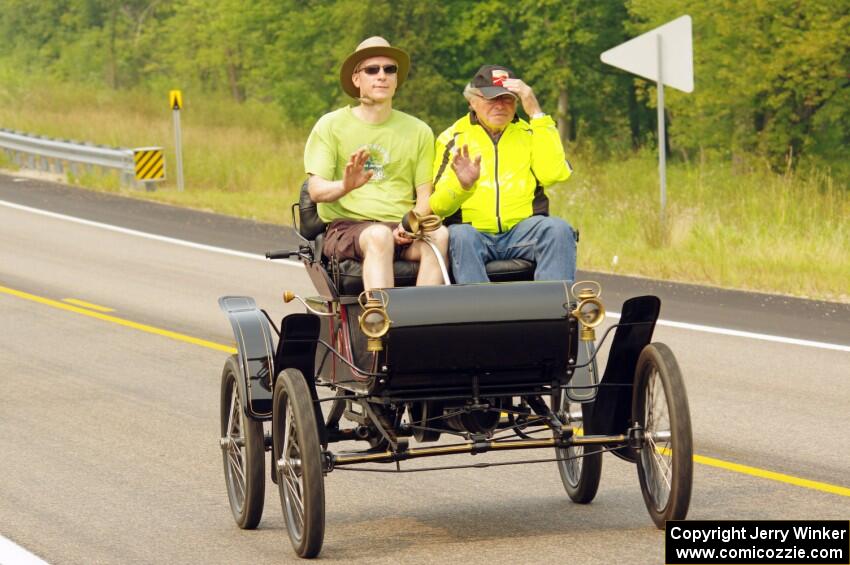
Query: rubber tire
(584, 490)
(291, 384)
(248, 517)
(420, 412)
(658, 355)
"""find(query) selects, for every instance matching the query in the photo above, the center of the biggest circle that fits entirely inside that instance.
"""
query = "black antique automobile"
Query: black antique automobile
(414, 372)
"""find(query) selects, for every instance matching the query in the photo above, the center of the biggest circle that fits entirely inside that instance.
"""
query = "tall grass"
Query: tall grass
(743, 226)
(746, 228)
(237, 158)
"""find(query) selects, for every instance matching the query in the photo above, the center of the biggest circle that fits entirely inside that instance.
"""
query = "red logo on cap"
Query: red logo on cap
(499, 77)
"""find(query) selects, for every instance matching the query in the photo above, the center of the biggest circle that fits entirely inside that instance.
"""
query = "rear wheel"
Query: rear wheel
(243, 452)
(665, 458)
(422, 415)
(298, 461)
(581, 468)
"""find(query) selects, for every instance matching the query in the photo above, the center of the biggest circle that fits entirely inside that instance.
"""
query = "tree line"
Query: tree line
(772, 77)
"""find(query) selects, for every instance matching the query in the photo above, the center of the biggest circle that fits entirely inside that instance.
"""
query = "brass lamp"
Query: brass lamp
(374, 321)
(590, 312)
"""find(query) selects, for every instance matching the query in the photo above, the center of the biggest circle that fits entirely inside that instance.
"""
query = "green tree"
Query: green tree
(561, 42)
(764, 73)
(771, 75)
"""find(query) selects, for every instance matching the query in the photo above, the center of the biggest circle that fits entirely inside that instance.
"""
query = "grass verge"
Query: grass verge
(749, 229)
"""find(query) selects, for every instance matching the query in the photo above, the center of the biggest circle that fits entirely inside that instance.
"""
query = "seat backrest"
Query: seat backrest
(310, 225)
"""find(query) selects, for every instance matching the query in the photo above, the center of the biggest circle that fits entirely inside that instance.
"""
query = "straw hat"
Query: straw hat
(372, 47)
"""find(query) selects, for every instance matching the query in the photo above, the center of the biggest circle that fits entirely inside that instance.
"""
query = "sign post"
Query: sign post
(175, 101)
(665, 55)
(662, 127)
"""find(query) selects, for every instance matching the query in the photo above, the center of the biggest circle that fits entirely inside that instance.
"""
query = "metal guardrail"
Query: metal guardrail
(46, 154)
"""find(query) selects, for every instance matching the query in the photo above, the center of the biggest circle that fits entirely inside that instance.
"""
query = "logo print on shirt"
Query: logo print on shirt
(379, 158)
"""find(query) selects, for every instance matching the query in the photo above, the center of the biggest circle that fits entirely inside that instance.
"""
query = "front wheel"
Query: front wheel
(665, 458)
(242, 450)
(298, 463)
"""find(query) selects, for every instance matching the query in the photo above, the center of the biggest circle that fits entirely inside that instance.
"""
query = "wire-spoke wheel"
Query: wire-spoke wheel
(298, 463)
(242, 452)
(581, 468)
(665, 458)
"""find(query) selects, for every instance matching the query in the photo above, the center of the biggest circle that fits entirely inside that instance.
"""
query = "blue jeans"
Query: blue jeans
(547, 241)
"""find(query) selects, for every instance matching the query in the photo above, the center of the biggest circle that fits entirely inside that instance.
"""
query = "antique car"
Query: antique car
(413, 372)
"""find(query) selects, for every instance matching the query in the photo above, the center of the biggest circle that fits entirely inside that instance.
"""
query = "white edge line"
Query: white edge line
(13, 554)
(750, 335)
(146, 235)
(289, 262)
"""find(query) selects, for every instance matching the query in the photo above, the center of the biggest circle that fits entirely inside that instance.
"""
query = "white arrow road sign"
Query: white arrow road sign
(665, 55)
(640, 55)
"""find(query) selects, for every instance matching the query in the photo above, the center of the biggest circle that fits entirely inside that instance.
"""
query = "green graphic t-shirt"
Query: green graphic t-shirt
(401, 154)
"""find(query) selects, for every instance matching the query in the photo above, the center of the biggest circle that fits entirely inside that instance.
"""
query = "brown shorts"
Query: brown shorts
(342, 239)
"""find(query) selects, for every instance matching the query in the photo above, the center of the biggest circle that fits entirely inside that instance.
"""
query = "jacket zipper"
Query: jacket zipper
(496, 176)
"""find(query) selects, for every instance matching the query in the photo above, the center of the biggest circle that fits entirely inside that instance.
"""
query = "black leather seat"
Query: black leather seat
(348, 274)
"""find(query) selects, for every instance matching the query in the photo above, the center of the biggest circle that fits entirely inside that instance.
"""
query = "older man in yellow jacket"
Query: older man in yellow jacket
(490, 172)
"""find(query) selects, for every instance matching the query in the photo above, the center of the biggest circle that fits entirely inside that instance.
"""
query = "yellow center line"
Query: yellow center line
(763, 473)
(88, 305)
(772, 475)
(702, 459)
(116, 320)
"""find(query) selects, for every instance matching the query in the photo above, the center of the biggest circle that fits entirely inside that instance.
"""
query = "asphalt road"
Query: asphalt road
(111, 423)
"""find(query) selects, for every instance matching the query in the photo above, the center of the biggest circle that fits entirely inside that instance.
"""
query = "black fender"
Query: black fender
(255, 352)
(612, 410)
(299, 335)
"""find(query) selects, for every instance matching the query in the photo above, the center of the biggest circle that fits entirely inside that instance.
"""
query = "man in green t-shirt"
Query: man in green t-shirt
(369, 165)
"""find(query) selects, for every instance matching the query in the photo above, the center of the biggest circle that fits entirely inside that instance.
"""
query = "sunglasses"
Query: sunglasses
(375, 69)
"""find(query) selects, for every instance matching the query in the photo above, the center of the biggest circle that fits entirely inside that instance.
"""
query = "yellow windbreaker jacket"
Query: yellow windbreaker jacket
(514, 172)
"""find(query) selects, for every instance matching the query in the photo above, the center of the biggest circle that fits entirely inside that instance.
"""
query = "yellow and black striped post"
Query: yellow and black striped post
(150, 164)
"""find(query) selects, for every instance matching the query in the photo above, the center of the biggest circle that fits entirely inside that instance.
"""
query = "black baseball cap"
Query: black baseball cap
(488, 81)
